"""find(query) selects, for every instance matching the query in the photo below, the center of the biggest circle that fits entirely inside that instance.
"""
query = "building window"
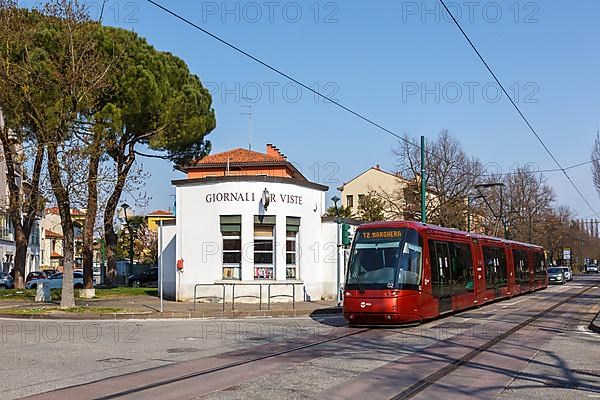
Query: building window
(291, 247)
(350, 201)
(361, 198)
(264, 246)
(231, 230)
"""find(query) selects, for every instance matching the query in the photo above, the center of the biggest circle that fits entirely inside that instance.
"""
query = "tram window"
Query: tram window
(540, 265)
(411, 259)
(495, 267)
(520, 261)
(462, 268)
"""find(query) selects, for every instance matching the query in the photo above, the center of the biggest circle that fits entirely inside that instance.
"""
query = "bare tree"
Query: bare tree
(59, 77)
(596, 163)
(450, 177)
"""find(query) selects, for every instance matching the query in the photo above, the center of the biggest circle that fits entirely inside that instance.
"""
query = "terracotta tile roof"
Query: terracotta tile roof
(54, 210)
(240, 156)
(160, 213)
(50, 234)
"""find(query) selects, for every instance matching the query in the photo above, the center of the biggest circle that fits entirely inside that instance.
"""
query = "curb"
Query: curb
(175, 315)
(595, 324)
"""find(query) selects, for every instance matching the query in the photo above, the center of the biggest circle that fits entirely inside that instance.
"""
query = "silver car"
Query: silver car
(568, 273)
(556, 275)
(55, 281)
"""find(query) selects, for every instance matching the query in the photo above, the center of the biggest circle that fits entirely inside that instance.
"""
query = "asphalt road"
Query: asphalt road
(553, 357)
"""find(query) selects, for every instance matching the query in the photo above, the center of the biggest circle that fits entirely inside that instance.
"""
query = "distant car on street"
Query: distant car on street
(146, 278)
(49, 272)
(6, 281)
(35, 275)
(591, 268)
(556, 275)
(55, 281)
(568, 273)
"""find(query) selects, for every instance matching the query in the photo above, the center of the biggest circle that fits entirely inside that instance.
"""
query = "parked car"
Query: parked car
(6, 281)
(146, 278)
(55, 281)
(568, 273)
(49, 272)
(591, 268)
(556, 275)
(35, 275)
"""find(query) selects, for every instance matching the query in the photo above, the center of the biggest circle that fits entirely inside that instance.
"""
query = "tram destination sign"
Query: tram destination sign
(381, 234)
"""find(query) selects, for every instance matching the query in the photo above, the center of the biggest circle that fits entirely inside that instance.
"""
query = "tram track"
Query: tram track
(441, 373)
(97, 390)
(431, 379)
(225, 367)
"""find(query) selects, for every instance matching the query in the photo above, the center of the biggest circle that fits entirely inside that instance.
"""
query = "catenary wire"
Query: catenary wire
(523, 117)
(361, 116)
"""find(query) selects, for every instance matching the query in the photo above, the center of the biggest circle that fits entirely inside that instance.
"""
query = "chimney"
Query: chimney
(274, 151)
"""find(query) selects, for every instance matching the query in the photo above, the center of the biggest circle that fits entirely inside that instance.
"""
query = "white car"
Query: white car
(55, 281)
(568, 273)
(591, 268)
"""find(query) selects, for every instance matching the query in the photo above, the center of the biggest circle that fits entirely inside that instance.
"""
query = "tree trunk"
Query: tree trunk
(90, 221)
(20, 204)
(124, 163)
(67, 299)
(66, 222)
(21, 244)
(110, 239)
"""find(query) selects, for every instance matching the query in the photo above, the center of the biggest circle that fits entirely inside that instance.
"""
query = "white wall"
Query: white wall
(199, 238)
(166, 256)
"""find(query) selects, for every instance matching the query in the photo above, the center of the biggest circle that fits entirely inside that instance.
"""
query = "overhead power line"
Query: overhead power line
(287, 76)
(531, 128)
(356, 113)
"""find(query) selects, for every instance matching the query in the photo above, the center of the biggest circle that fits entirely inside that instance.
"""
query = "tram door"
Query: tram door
(440, 275)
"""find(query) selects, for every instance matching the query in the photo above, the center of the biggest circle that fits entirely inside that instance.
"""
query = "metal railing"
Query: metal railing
(233, 297)
(209, 297)
(293, 295)
(248, 296)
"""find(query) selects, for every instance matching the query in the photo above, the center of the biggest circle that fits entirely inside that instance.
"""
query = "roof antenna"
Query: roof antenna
(249, 114)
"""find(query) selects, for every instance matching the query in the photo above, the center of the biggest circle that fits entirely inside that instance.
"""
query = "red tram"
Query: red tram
(402, 272)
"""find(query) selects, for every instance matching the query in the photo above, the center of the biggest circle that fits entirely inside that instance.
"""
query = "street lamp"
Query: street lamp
(335, 200)
(488, 186)
(130, 229)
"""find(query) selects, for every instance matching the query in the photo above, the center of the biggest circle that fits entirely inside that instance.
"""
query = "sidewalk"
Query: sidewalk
(148, 307)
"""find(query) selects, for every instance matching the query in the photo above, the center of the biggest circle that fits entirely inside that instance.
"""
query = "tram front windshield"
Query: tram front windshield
(385, 259)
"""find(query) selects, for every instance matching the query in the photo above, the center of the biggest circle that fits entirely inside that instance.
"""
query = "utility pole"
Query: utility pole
(338, 279)
(249, 114)
(160, 254)
(423, 183)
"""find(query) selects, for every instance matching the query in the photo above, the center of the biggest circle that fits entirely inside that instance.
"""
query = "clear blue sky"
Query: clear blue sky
(373, 56)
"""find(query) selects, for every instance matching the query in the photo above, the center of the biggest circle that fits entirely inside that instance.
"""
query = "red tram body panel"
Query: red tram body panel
(403, 272)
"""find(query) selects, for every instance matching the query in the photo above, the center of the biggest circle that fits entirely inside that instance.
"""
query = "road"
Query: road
(505, 350)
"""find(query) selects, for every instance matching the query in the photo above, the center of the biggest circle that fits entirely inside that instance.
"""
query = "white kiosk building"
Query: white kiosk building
(246, 217)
